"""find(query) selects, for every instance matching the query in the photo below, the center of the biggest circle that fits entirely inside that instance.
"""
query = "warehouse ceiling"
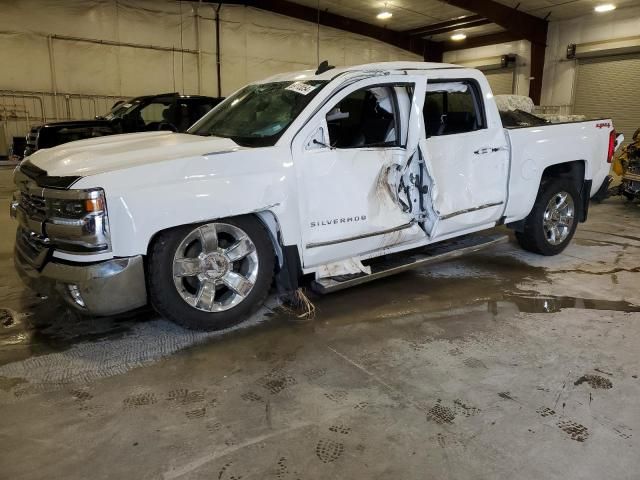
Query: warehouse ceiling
(410, 15)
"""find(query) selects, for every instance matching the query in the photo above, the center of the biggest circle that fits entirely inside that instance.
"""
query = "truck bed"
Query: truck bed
(536, 148)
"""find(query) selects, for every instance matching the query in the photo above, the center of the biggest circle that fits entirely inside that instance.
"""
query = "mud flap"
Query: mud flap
(585, 195)
(603, 192)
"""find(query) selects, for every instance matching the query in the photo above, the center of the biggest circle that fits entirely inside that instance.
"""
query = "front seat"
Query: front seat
(168, 119)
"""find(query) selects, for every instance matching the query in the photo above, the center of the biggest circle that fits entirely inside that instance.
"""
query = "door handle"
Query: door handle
(485, 150)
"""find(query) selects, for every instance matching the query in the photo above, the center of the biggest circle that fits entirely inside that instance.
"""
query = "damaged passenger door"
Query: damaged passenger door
(468, 156)
(357, 194)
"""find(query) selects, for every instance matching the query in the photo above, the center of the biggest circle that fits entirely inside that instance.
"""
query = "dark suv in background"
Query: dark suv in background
(169, 111)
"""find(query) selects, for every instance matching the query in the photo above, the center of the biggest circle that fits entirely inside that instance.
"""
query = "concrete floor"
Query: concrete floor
(501, 365)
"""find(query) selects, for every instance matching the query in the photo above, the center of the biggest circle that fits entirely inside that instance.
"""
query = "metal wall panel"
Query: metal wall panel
(501, 81)
(608, 87)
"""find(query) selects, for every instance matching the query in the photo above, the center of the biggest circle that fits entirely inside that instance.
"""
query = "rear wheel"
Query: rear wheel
(552, 223)
(211, 276)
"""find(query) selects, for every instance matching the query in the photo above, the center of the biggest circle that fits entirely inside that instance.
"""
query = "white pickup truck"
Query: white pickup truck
(346, 174)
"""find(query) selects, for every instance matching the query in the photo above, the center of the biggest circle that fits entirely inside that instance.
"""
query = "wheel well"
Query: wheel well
(288, 269)
(288, 262)
(573, 170)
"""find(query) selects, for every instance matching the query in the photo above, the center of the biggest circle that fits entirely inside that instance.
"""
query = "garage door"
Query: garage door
(501, 81)
(608, 87)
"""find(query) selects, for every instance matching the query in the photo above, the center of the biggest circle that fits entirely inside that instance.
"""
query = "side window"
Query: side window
(365, 118)
(455, 108)
(156, 113)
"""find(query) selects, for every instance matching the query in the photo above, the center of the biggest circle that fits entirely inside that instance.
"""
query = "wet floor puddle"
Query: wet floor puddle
(50, 326)
(550, 304)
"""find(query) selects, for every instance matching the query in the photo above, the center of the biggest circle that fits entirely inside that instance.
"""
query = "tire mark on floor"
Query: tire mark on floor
(594, 381)
(328, 450)
(340, 428)
(189, 467)
(140, 400)
(575, 430)
(441, 414)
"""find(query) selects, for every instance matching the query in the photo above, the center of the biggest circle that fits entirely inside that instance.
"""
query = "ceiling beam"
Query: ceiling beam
(482, 41)
(328, 19)
(515, 21)
(448, 26)
(519, 25)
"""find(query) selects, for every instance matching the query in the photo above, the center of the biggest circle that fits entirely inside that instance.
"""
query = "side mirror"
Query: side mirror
(316, 140)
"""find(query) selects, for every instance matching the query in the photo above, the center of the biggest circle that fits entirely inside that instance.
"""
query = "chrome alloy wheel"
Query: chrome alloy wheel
(558, 218)
(215, 267)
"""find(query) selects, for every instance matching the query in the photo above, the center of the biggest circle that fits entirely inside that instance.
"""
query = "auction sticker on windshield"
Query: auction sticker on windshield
(301, 88)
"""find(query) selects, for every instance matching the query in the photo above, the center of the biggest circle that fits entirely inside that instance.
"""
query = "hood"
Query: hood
(116, 152)
(76, 123)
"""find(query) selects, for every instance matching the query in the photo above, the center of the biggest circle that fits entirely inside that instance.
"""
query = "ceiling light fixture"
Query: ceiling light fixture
(384, 15)
(605, 7)
(458, 36)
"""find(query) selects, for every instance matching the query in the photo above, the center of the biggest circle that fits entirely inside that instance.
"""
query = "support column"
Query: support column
(433, 51)
(537, 70)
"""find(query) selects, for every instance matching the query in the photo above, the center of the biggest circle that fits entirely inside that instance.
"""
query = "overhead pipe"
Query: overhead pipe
(123, 44)
(199, 47)
(219, 74)
(54, 86)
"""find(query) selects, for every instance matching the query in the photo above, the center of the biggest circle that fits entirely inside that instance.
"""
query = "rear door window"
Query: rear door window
(452, 107)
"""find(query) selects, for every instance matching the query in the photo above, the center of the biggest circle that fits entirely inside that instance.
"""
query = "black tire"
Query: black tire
(164, 294)
(533, 237)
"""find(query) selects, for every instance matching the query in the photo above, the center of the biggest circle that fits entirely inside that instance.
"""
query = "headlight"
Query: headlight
(74, 208)
(77, 221)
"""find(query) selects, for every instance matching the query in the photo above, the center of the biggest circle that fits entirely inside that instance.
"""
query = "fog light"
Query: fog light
(74, 291)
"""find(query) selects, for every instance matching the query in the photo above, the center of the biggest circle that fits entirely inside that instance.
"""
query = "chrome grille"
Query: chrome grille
(34, 205)
(31, 247)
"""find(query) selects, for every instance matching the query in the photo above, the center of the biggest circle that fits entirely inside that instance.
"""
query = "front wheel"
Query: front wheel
(211, 276)
(552, 223)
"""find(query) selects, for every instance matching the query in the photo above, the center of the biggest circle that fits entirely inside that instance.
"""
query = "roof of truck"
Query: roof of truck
(380, 66)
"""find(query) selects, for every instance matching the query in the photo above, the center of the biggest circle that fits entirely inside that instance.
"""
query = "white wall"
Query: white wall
(254, 44)
(559, 73)
(521, 48)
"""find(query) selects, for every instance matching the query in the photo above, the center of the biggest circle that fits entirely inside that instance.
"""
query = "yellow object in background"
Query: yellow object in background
(617, 166)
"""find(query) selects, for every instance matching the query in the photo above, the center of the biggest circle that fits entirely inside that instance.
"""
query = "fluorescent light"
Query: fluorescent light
(605, 7)
(458, 36)
(384, 15)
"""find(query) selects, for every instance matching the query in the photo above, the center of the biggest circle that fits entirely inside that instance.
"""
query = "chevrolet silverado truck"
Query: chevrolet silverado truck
(334, 176)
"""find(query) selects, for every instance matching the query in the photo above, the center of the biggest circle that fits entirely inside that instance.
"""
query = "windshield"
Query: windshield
(121, 109)
(258, 115)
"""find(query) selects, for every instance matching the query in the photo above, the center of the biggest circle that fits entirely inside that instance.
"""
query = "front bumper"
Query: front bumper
(105, 288)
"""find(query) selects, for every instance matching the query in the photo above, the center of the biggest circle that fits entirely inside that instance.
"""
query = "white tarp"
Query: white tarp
(514, 102)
